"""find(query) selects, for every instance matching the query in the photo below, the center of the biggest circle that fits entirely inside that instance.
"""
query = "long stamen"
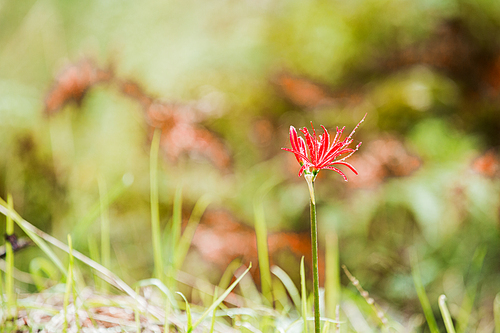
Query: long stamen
(339, 133)
(355, 150)
(355, 128)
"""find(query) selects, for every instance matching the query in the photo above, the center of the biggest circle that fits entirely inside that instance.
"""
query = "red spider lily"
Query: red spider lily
(320, 154)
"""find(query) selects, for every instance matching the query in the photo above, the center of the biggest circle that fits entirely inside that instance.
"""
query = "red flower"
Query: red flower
(320, 154)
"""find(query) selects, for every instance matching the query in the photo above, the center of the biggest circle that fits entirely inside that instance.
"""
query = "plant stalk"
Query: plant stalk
(105, 230)
(155, 211)
(9, 258)
(314, 244)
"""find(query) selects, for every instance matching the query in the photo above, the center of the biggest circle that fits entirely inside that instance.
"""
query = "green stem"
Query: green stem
(69, 283)
(448, 322)
(155, 211)
(9, 258)
(496, 313)
(105, 230)
(314, 244)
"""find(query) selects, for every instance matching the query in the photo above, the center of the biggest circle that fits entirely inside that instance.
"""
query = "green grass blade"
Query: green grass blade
(45, 248)
(448, 323)
(422, 296)
(332, 272)
(289, 285)
(223, 284)
(105, 273)
(3, 303)
(187, 236)
(69, 284)
(176, 224)
(227, 276)
(93, 213)
(303, 293)
(261, 234)
(35, 238)
(326, 327)
(212, 323)
(221, 298)
(162, 287)
(9, 258)
(496, 312)
(105, 233)
(471, 290)
(155, 210)
(250, 292)
(42, 265)
(189, 327)
(262, 250)
(94, 255)
(282, 302)
(173, 239)
(73, 289)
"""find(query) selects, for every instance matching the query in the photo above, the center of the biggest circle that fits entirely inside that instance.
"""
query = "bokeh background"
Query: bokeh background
(83, 84)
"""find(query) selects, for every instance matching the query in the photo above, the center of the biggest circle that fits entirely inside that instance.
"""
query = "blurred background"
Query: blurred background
(83, 85)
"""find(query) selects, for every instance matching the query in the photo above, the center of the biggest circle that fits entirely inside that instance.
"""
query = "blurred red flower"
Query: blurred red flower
(181, 128)
(488, 164)
(320, 154)
(72, 84)
(382, 158)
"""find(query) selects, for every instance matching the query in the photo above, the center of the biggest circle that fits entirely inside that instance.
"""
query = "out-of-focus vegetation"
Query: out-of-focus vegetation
(83, 83)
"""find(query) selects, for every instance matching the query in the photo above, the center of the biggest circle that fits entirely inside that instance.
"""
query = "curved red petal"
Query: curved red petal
(338, 134)
(347, 165)
(310, 145)
(337, 170)
(302, 145)
(301, 158)
(325, 142)
(332, 160)
(332, 152)
(293, 137)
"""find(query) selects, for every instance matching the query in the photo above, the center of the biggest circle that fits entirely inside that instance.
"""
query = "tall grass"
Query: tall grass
(190, 327)
(262, 250)
(448, 322)
(332, 275)
(422, 296)
(303, 294)
(69, 286)
(9, 258)
(471, 289)
(105, 231)
(267, 319)
(174, 235)
(184, 243)
(155, 210)
(289, 285)
(95, 211)
(40, 238)
(496, 312)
